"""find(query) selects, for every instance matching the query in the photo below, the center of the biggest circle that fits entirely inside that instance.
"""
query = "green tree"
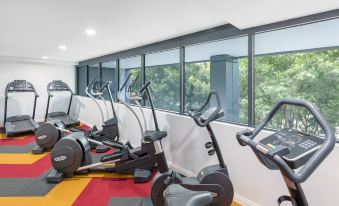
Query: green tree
(313, 76)
(165, 86)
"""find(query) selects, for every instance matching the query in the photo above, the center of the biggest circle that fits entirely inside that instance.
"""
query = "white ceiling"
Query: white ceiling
(35, 28)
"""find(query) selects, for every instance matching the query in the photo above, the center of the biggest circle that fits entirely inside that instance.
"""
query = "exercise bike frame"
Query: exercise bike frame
(292, 178)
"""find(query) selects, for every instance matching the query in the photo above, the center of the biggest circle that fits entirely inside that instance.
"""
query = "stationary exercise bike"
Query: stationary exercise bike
(49, 133)
(212, 186)
(71, 154)
(289, 149)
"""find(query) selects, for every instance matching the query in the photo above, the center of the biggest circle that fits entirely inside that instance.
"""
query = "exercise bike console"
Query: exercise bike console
(301, 146)
(289, 149)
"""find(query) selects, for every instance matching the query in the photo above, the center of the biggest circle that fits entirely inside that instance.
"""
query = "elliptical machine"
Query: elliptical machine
(71, 154)
(289, 149)
(95, 90)
(212, 186)
(49, 133)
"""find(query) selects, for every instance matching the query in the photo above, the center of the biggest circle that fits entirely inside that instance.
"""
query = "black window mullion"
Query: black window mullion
(251, 117)
(143, 74)
(77, 71)
(117, 78)
(87, 75)
(182, 80)
(100, 70)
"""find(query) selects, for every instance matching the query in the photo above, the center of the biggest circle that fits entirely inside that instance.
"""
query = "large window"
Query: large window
(162, 69)
(129, 66)
(297, 61)
(219, 66)
(93, 72)
(82, 80)
(300, 62)
(108, 72)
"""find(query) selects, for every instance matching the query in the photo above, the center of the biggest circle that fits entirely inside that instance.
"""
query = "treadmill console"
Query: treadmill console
(20, 85)
(301, 146)
(58, 85)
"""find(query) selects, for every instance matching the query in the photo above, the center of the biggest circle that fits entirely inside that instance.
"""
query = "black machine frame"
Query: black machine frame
(275, 158)
(11, 88)
(8, 90)
(63, 87)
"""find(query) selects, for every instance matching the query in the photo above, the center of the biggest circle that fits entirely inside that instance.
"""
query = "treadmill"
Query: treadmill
(65, 118)
(20, 124)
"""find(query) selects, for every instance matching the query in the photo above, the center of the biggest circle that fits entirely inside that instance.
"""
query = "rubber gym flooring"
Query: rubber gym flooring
(22, 181)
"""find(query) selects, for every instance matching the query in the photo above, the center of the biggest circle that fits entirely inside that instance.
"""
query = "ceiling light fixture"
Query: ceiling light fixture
(91, 32)
(62, 47)
(44, 57)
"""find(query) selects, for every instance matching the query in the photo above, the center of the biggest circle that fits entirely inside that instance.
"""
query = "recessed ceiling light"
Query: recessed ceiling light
(44, 57)
(91, 32)
(62, 47)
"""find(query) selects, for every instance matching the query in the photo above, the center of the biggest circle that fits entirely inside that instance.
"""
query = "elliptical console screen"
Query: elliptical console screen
(300, 145)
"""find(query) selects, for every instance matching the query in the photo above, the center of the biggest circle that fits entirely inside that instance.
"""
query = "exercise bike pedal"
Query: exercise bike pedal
(286, 198)
(141, 175)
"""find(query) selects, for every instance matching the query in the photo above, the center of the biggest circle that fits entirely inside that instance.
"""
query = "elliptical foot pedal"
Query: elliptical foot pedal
(101, 149)
(141, 175)
(55, 177)
(38, 150)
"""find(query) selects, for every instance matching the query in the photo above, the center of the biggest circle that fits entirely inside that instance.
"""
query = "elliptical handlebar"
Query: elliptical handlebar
(246, 137)
(144, 87)
(196, 114)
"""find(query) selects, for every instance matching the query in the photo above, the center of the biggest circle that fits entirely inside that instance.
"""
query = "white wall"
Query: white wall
(185, 151)
(39, 74)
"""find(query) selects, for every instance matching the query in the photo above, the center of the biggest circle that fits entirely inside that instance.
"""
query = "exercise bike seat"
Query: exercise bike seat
(153, 135)
(178, 195)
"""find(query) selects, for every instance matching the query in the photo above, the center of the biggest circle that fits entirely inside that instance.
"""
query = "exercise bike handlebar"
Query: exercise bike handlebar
(196, 114)
(247, 137)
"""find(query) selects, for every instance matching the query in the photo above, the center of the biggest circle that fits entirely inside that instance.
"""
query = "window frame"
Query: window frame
(219, 33)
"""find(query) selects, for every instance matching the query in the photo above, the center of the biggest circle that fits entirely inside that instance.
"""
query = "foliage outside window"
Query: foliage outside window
(313, 76)
(165, 86)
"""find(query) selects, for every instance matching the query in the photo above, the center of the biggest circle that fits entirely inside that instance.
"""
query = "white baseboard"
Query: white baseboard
(244, 201)
(237, 197)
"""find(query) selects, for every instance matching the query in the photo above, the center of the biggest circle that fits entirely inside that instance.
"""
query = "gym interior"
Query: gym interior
(169, 103)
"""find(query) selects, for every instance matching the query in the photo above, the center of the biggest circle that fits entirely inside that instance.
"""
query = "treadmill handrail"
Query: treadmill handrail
(50, 94)
(11, 91)
(49, 90)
